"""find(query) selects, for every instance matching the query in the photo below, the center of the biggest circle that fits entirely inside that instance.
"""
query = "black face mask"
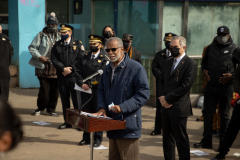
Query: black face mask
(94, 48)
(108, 35)
(167, 44)
(175, 51)
(52, 29)
(126, 44)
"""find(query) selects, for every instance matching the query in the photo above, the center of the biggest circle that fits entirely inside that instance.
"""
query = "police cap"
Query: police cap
(65, 28)
(95, 38)
(169, 36)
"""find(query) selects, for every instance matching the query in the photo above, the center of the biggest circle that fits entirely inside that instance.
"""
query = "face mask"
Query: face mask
(175, 52)
(222, 40)
(167, 44)
(126, 44)
(64, 37)
(108, 35)
(52, 29)
(94, 48)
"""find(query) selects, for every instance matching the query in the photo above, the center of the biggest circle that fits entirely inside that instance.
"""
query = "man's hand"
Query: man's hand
(205, 73)
(226, 77)
(66, 71)
(43, 59)
(115, 109)
(164, 103)
(162, 100)
(85, 87)
(101, 112)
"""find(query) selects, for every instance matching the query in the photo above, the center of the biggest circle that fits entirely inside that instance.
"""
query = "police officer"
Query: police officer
(86, 65)
(157, 66)
(6, 53)
(64, 55)
(218, 67)
(132, 52)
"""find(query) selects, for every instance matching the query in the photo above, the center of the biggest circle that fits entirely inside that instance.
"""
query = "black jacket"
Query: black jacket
(136, 55)
(6, 53)
(85, 66)
(176, 88)
(66, 56)
(220, 59)
(158, 63)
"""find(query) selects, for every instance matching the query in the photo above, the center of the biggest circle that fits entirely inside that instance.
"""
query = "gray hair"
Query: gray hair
(119, 41)
(182, 40)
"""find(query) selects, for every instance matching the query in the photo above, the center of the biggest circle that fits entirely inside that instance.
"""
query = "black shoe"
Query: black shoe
(205, 143)
(83, 142)
(218, 157)
(155, 133)
(65, 125)
(96, 144)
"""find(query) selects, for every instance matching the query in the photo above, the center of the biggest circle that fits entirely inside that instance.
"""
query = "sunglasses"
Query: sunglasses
(112, 49)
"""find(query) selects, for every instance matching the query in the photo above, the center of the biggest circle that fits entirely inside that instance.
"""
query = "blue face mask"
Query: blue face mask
(64, 37)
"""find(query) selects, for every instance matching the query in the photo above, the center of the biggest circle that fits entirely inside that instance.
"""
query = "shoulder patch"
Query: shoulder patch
(82, 48)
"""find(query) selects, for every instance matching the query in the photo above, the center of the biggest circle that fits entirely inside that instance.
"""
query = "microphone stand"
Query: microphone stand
(89, 83)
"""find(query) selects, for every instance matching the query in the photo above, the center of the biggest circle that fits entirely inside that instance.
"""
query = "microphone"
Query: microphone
(99, 72)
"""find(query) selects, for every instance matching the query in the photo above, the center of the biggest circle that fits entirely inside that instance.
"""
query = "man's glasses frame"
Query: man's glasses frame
(112, 49)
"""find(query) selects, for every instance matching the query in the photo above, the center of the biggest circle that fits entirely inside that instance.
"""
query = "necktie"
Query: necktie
(93, 56)
(173, 66)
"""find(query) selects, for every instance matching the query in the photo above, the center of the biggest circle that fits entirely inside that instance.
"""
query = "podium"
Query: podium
(92, 124)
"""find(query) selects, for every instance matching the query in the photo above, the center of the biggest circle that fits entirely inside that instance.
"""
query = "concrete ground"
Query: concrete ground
(48, 142)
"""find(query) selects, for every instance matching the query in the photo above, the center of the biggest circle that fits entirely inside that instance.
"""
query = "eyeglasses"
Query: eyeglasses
(112, 49)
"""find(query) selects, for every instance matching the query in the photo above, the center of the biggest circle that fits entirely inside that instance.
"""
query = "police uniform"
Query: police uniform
(65, 55)
(6, 53)
(157, 67)
(132, 52)
(86, 66)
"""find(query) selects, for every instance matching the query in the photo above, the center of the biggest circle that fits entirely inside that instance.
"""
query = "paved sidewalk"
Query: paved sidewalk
(50, 143)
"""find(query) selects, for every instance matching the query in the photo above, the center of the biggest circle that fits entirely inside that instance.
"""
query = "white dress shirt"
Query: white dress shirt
(95, 55)
(67, 42)
(168, 53)
(179, 59)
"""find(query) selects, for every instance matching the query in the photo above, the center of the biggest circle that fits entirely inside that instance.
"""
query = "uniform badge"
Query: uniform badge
(99, 61)
(73, 42)
(221, 29)
(162, 53)
(63, 25)
(91, 37)
(4, 39)
(170, 35)
(82, 48)
(53, 43)
(182, 62)
(74, 48)
(101, 55)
